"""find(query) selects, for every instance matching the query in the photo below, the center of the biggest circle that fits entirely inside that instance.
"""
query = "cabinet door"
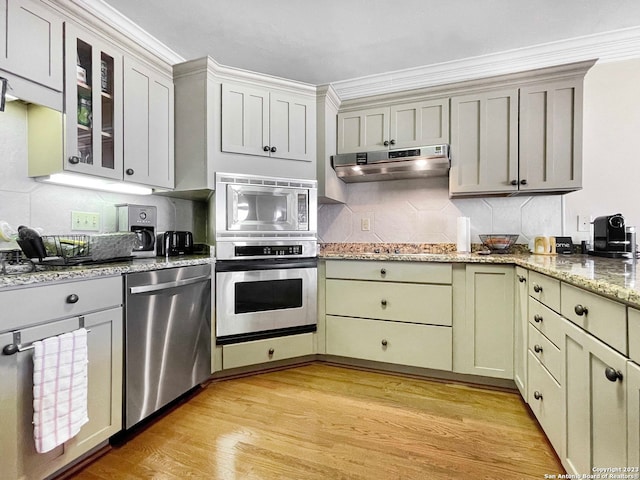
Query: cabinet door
(520, 339)
(551, 136)
(418, 124)
(93, 105)
(363, 130)
(148, 126)
(292, 127)
(484, 143)
(596, 403)
(483, 344)
(633, 415)
(245, 120)
(31, 42)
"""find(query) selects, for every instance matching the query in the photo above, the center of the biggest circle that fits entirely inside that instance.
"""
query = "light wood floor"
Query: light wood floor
(325, 422)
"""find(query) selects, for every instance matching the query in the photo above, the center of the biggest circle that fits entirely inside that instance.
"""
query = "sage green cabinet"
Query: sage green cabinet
(633, 415)
(267, 350)
(520, 329)
(483, 340)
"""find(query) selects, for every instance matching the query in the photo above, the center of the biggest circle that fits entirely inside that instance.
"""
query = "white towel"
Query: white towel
(59, 388)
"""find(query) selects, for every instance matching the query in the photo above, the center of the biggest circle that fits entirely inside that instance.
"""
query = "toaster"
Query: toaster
(172, 243)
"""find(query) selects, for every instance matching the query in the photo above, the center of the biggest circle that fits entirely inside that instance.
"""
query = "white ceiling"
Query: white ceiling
(323, 41)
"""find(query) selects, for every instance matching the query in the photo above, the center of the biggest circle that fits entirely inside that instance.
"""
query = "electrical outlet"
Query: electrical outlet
(583, 223)
(85, 221)
(365, 224)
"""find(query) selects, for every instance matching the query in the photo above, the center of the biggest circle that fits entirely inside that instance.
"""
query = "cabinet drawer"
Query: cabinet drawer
(400, 343)
(545, 289)
(634, 335)
(603, 318)
(28, 306)
(548, 406)
(268, 350)
(546, 321)
(546, 352)
(407, 302)
(392, 271)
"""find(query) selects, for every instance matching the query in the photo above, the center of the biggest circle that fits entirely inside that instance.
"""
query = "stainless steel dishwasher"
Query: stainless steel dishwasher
(167, 337)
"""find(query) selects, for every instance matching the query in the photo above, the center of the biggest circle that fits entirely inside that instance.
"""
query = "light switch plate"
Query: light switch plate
(85, 221)
(583, 223)
(365, 224)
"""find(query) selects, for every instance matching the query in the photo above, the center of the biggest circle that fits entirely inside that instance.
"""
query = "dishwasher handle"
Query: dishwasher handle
(167, 285)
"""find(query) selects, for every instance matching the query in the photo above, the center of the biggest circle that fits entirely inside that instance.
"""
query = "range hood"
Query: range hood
(429, 161)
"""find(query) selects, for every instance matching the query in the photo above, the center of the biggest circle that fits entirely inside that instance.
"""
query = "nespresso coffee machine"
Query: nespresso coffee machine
(609, 237)
(141, 220)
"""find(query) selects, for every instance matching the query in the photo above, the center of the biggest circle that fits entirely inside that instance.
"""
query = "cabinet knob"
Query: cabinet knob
(129, 171)
(385, 143)
(384, 343)
(383, 302)
(523, 182)
(73, 298)
(580, 310)
(612, 374)
(537, 395)
(266, 148)
(392, 142)
(522, 279)
(537, 288)
(383, 271)
(74, 160)
(537, 348)
(273, 149)
(514, 182)
(271, 352)
(537, 318)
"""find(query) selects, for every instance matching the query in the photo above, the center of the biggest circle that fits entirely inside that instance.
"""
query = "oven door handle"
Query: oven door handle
(267, 264)
(168, 285)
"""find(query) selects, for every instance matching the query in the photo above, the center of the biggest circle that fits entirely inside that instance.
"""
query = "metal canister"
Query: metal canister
(632, 247)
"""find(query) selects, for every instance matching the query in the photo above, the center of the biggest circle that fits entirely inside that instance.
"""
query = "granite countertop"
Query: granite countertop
(618, 279)
(57, 274)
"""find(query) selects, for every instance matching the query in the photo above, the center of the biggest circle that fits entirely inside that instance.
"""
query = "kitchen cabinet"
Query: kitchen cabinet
(551, 136)
(267, 350)
(633, 415)
(403, 125)
(595, 419)
(520, 330)
(31, 42)
(392, 312)
(148, 125)
(52, 314)
(267, 123)
(484, 142)
(484, 340)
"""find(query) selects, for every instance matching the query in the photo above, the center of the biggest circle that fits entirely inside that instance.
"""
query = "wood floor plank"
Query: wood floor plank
(326, 422)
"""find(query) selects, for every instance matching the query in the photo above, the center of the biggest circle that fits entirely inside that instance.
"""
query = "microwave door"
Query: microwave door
(260, 209)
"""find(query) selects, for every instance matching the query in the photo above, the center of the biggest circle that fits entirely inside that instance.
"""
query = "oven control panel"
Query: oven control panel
(267, 250)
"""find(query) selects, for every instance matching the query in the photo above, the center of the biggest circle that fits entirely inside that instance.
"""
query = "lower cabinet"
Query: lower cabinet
(520, 326)
(427, 346)
(595, 418)
(633, 415)
(545, 399)
(19, 458)
(267, 350)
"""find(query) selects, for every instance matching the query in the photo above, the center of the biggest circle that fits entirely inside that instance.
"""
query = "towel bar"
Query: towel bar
(16, 346)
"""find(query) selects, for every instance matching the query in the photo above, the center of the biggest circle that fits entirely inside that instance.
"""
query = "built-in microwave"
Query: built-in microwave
(247, 205)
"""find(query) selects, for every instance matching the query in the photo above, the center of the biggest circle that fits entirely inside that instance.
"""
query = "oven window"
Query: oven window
(265, 295)
(256, 207)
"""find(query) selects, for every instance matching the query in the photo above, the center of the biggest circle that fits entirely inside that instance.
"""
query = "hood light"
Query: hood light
(93, 183)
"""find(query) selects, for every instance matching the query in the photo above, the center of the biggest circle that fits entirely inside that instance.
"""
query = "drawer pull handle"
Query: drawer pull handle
(537, 318)
(537, 288)
(537, 395)
(521, 279)
(73, 298)
(537, 349)
(580, 310)
(384, 343)
(383, 302)
(383, 271)
(271, 352)
(612, 374)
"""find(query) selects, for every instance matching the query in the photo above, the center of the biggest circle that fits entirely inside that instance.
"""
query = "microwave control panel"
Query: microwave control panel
(303, 212)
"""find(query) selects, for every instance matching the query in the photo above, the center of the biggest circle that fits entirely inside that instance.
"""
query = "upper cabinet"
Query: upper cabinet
(268, 124)
(398, 126)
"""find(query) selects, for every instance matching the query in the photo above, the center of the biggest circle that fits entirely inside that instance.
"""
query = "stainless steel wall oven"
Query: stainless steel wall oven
(266, 267)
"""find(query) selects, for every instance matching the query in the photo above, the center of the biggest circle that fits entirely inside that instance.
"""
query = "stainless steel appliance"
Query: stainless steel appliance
(266, 246)
(172, 243)
(429, 161)
(609, 237)
(167, 337)
(141, 220)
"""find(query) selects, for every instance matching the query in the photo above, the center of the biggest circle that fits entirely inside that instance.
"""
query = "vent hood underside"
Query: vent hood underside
(430, 161)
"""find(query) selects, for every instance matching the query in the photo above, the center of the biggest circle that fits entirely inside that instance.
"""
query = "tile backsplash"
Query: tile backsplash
(420, 211)
(25, 201)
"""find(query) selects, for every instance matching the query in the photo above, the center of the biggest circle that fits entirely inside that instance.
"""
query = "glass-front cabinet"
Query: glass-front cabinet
(93, 105)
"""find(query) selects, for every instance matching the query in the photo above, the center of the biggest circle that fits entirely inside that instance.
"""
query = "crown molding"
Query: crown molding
(326, 93)
(609, 46)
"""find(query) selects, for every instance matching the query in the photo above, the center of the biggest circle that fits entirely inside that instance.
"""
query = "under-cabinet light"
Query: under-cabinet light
(93, 183)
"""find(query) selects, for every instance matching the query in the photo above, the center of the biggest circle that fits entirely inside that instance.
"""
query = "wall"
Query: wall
(25, 201)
